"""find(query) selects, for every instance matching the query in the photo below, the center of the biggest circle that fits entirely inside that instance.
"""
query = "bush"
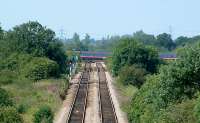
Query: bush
(22, 108)
(133, 75)
(9, 115)
(197, 110)
(7, 77)
(15, 62)
(179, 113)
(43, 115)
(176, 82)
(63, 88)
(129, 52)
(41, 68)
(4, 98)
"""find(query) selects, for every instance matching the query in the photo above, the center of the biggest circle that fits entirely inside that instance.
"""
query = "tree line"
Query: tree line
(28, 53)
(168, 92)
(163, 42)
(32, 50)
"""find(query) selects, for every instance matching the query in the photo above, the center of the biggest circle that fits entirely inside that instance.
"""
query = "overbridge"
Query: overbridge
(93, 55)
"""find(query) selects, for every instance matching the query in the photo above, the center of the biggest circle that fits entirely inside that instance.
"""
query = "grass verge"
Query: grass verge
(29, 96)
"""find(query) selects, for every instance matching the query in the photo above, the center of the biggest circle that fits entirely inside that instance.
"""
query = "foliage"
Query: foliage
(197, 110)
(38, 41)
(7, 76)
(24, 65)
(5, 99)
(31, 38)
(178, 113)
(1, 33)
(175, 82)
(22, 108)
(146, 39)
(181, 41)
(75, 43)
(165, 40)
(56, 53)
(129, 52)
(9, 115)
(133, 75)
(40, 68)
(43, 115)
(15, 62)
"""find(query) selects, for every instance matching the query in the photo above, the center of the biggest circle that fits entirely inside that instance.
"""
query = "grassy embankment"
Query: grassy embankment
(125, 92)
(29, 96)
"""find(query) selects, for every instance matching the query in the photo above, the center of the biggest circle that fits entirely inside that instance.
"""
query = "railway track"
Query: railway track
(77, 112)
(78, 108)
(107, 110)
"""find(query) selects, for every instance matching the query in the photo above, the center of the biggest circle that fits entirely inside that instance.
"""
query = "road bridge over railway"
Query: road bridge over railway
(92, 55)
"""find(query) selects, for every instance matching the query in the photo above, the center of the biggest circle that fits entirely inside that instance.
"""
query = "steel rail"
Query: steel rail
(102, 115)
(75, 115)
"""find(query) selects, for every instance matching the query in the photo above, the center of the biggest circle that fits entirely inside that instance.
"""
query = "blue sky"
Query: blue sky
(105, 17)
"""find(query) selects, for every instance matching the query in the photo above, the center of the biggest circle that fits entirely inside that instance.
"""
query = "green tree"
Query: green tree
(165, 40)
(129, 52)
(175, 82)
(1, 33)
(37, 40)
(31, 38)
(181, 41)
(145, 38)
(76, 41)
(86, 43)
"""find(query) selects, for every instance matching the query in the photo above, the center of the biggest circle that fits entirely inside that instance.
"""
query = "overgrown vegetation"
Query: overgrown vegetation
(30, 48)
(29, 54)
(129, 52)
(43, 115)
(9, 115)
(133, 75)
(132, 61)
(167, 95)
(8, 112)
(175, 83)
(33, 70)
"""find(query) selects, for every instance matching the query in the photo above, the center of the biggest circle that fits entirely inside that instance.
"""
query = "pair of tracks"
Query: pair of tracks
(107, 112)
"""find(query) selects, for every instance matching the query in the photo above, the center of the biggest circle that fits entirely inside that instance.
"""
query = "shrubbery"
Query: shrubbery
(7, 76)
(178, 113)
(24, 65)
(129, 52)
(174, 83)
(22, 108)
(63, 88)
(44, 115)
(9, 115)
(5, 99)
(134, 75)
(41, 68)
(29, 51)
(36, 40)
(197, 110)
